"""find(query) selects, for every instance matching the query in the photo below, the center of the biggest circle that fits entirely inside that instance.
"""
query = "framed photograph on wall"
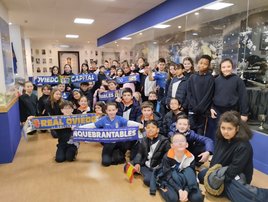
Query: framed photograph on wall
(264, 41)
(71, 58)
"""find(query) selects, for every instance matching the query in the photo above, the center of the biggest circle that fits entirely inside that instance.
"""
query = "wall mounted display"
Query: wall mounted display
(37, 60)
(44, 60)
(38, 70)
(36, 51)
(43, 51)
(71, 58)
(264, 41)
(50, 60)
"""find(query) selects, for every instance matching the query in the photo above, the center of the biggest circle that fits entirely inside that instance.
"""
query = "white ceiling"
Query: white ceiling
(51, 20)
(191, 22)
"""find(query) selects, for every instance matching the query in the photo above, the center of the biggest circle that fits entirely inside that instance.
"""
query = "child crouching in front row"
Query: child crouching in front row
(112, 153)
(151, 151)
(66, 148)
(176, 178)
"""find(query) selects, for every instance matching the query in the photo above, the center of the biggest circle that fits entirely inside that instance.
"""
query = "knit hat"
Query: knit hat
(214, 179)
(76, 90)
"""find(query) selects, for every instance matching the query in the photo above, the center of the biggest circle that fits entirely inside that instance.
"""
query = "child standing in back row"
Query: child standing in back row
(230, 94)
(28, 102)
(199, 95)
(46, 90)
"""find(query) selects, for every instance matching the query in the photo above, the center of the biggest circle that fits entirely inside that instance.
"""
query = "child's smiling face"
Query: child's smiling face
(203, 65)
(179, 142)
(151, 131)
(67, 110)
(182, 125)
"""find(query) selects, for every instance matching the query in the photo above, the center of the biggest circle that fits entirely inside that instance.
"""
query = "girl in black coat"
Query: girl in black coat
(28, 102)
(171, 116)
(52, 106)
(234, 151)
(46, 90)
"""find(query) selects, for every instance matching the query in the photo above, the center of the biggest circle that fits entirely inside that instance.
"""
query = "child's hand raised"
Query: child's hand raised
(213, 113)
(118, 99)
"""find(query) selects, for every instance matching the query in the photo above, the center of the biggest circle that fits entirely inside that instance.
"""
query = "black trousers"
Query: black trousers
(113, 153)
(65, 152)
(198, 122)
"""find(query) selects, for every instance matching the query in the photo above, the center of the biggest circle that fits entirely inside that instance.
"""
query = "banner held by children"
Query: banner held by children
(105, 135)
(57, 122)
(105, 96)
(41, 80)
(128, 79)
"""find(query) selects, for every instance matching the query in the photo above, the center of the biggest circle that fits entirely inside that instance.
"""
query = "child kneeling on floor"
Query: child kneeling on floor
(151, 151)
(112, 153)
(176, 178)
(66, 148)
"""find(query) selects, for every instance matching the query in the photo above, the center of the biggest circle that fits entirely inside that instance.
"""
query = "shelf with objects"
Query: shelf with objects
(9, 108)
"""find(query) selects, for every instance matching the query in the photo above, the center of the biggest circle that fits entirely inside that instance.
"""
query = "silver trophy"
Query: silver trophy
(262, 119)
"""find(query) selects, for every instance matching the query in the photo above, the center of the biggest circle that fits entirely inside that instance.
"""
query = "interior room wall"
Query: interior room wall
(87, 52)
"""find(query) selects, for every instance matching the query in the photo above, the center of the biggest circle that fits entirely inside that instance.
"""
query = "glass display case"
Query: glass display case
(239, 32)
(8, 89)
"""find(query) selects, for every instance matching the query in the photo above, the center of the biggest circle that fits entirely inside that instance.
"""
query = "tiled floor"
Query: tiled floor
(34, 176)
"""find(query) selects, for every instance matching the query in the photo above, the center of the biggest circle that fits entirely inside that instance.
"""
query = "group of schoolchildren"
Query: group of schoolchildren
(173, 144)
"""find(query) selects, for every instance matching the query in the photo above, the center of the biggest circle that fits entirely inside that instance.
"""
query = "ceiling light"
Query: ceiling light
(218, 6)
(179, 27)
(72, 36)
(64, 46)
(196, 13)
(154, 42)
(140, 33)
(194, 34)
(126, 38)
(161, 26)
(115, 42)
(10, 23)
(83, 21)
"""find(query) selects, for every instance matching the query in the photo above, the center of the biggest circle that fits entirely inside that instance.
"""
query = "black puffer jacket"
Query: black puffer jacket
(135, 110)
(144, 148)
(168, 120)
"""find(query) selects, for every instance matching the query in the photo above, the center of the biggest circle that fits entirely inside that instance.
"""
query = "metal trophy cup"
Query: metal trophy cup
(261, 118)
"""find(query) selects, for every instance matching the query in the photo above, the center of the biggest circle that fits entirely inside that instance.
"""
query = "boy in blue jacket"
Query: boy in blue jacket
(200, 146)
